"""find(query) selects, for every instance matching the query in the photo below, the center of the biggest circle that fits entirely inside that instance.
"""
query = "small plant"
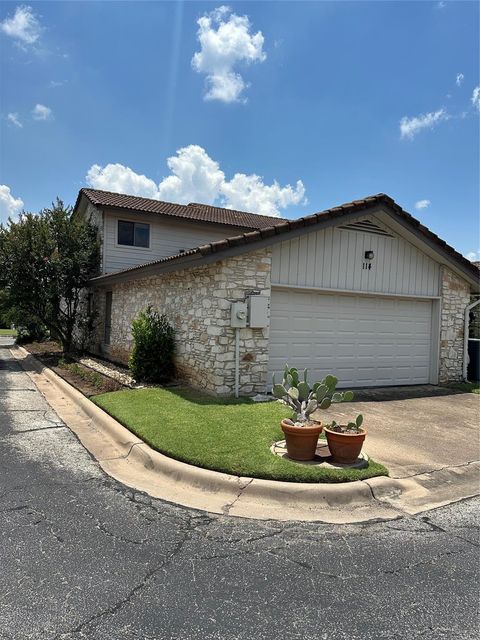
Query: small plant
(304, 399)
(92, 377)
(154, 344)
(345, 441)
(350, 427)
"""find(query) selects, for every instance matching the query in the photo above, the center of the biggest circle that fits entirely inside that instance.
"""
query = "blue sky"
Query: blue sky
(283, 108)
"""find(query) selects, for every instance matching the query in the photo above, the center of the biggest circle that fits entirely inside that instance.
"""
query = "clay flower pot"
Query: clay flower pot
(345, 447)
(301, 441)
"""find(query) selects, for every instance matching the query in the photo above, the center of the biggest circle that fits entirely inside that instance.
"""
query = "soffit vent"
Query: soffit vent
(366, 226)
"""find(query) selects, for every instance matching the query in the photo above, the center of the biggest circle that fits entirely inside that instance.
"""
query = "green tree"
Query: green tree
(45, 263)
(5, 319)
(29, 328)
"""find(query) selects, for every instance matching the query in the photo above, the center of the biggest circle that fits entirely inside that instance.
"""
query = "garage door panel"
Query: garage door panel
(363, 340)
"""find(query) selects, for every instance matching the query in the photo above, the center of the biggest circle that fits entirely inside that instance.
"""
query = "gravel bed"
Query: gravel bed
(109, 369)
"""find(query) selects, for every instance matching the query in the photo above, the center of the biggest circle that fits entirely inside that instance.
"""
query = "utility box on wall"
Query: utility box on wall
(238, 315)
(258, 312)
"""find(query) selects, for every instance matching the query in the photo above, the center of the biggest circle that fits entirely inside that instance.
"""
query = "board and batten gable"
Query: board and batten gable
(167, 237)
(334, 259)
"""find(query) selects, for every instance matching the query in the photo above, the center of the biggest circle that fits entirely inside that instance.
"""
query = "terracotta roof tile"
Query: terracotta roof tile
(192, 211)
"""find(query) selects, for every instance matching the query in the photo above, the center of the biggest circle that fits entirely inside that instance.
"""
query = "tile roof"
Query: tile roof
(192, 211)
(284, 226)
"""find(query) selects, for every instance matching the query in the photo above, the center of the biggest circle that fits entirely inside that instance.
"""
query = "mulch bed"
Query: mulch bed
(87, 381)
(44, 348)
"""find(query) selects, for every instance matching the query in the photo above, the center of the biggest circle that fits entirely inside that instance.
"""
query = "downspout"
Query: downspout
(237, 360)
(468, 308)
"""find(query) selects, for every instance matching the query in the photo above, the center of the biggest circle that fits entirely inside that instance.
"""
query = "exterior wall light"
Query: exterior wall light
(369, 255)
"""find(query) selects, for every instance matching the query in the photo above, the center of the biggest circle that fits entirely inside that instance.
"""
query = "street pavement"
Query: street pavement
(85, 557)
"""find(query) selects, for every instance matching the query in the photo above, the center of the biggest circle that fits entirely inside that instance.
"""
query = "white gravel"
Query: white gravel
(110, 370)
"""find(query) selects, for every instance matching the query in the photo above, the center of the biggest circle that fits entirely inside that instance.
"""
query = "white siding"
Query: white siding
(333, 258)
(167, 237)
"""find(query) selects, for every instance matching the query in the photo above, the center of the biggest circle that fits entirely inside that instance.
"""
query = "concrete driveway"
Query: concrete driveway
(414, 430)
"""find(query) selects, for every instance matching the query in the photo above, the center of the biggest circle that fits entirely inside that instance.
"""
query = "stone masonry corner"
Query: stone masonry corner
(455, 294)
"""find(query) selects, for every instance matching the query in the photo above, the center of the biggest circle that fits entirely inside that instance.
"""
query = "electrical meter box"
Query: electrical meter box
(238, 317)
(258, 312)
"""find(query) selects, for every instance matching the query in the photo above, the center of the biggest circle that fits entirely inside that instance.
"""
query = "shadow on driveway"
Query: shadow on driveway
(382, 394)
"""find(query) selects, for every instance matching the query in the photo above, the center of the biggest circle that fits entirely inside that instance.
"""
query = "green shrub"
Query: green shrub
(31, 330)
(152, 355)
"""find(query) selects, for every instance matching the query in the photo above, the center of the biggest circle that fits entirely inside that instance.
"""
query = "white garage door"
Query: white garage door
(365, 341)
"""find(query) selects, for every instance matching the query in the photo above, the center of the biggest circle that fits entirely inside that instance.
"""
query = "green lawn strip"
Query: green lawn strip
(468, 387)
(8, 332)
(227, 435)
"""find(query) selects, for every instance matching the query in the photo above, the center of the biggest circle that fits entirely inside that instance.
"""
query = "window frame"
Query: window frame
(134, 223)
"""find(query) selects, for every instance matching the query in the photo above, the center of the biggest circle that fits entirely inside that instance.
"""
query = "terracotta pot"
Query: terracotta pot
(301, 441)
(345, 447)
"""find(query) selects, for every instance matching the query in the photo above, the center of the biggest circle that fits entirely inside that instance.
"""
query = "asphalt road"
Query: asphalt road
(82, 556)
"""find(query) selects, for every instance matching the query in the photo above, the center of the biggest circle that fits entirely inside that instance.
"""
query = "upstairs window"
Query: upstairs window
(133, 234)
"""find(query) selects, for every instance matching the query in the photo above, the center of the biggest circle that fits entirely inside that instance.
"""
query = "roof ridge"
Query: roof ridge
(129, 195)
(216, 206)
(193, 211)
(177, 204)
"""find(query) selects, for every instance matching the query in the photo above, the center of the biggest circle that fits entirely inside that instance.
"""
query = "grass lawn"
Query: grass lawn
(227, 435)
(468, 387)
(8, 332)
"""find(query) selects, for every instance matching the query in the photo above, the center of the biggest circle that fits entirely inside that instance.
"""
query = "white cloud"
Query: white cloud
(121, 179)
(473, 256)
(476, 98)
(23, 26)
(225, 40)
(459, 79)
(41, 112)
(196, 177)
(14, 119)
(53, 84)
(441, 5)
(409, 127)
(422, 204)
(9, 206)
(249, 193)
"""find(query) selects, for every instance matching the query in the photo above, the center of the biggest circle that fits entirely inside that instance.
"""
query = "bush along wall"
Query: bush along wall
(151, 359)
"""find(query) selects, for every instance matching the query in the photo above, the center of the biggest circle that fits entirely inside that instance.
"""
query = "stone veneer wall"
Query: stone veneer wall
(197, 302)
(455, 297)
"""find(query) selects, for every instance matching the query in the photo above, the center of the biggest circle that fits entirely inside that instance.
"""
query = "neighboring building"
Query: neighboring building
(362, 290)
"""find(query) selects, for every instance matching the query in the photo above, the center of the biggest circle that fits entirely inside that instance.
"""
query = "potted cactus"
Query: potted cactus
(302, 430)
(345, 441)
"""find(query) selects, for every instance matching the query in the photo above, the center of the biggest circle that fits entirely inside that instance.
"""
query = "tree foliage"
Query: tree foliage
(45, 262)
(154, 344)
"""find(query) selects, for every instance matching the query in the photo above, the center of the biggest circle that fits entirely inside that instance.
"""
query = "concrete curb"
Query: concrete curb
(131, 461)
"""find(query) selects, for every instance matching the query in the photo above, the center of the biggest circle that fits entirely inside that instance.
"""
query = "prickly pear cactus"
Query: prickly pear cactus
(303, 399)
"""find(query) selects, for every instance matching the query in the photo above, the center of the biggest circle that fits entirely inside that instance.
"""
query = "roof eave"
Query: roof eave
(229, 247)
(268, 236)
